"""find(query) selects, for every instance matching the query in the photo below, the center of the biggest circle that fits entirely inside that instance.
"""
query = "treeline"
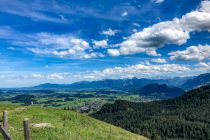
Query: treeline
(25, 99)
(184, 118)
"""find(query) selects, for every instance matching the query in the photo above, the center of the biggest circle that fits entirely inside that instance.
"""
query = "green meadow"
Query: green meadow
(64, 125)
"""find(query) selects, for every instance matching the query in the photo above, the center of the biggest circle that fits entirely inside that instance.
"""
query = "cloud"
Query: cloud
(109, 32)
(176, 31)
(138, 70)
(158, 1)
(159, 60)
(204, 65)
(196, 21)
(124, 14)
(92, 55)
(34, 75)
(48, 44)
(60, 45)
(113, 52)
(204, 6)
(192, 53)
(100, 44)
(58, 12)
(8, 33)
(136, 24)
(63, 46)
(154, 37)
(51, 76)
(148, 40)
(134, 30)
(34, 10)
(55, 76)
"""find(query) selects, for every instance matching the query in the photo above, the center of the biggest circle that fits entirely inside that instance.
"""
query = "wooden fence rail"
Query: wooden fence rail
(5, 134)
(4, 127)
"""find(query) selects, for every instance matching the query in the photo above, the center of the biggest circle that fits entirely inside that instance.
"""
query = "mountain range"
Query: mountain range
(133, 84)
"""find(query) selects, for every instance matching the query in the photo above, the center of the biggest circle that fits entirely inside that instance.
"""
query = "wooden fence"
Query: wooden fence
(4, 128)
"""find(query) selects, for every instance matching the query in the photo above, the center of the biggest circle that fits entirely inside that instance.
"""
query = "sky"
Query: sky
(66, 41)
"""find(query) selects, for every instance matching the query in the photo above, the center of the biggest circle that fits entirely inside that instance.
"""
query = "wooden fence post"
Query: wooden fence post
(26, 129)
(5, 133)
(5, 120)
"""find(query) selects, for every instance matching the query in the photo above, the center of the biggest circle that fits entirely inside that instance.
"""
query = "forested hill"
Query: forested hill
(161, 89)
(186, 117)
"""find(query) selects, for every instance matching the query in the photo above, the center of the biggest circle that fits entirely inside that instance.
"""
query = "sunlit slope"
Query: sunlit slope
(62, 125)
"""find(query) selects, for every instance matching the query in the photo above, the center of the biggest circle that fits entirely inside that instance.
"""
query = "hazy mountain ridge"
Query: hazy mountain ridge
(126, 85)
(201, 80)
(133, 84)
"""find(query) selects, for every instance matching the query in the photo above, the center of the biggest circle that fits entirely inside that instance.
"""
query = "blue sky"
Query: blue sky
(64, 41)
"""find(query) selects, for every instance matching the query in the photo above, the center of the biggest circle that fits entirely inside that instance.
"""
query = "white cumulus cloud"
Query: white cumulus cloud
(113, 52)
(138, 70)
(176, 31)
(101, 43)
(109, 32)
(62, 46)
(196, 53)
(159, 60)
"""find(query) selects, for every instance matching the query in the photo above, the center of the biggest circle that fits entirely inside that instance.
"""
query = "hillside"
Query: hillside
(201, 80)
(160, 90)
(65, 125)
(185, 117)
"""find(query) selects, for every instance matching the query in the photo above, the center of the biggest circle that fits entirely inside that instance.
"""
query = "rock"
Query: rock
(41, 125)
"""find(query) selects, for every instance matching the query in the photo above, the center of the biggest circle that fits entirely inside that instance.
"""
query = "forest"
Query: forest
(185, 117)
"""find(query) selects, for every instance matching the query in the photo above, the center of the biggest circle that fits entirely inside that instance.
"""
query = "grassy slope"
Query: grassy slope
(67, 125)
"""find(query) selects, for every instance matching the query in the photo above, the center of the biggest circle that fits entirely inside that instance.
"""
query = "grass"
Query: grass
(66, 125)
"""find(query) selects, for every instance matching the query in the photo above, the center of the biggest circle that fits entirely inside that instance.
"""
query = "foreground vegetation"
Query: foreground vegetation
(64, 125)
(184, 118)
